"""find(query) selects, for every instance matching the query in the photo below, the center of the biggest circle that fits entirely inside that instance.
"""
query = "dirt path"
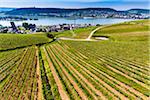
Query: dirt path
(87, 39)
(40, 92)
(62, 92)
(71, 39)
(73, 33)
(91, 34)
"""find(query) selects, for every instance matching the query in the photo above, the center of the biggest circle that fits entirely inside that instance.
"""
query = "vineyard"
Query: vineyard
(116, 69)
(20, 75)
(105, 78)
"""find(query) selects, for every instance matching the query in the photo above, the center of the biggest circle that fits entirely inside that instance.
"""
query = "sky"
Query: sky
(116, 4)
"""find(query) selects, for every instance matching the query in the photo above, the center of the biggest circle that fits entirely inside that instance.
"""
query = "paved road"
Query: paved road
(71, 39)
(87, 39)
(91, 34)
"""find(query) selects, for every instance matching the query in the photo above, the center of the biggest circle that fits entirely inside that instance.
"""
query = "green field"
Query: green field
(11, 41)
(112, 69)
(133, 31)
(76, 33)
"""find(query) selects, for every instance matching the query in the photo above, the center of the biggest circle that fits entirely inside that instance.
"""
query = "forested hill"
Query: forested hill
(144, 11)
(84, 12)
(3, 9)
(24, 11)
(27, 11)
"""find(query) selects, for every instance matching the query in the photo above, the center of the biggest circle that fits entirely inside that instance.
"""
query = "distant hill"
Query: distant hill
(137, 11)
(79, 13)
(6, 9)
(30, 11)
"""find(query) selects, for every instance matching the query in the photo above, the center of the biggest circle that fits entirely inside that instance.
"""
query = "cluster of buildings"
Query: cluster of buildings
(14, 18)
(60, 27)
(10, 18)
(129, 16)
(106, 14)
(26, 28)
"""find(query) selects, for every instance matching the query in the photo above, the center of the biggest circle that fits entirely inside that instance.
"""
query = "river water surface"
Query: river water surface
(55, 21)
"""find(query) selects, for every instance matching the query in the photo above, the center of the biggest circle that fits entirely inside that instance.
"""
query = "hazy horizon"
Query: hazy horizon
(115, 4)
(75, 8)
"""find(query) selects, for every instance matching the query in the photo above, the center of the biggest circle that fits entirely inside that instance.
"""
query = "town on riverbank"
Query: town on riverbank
(27, 28)
(28, 18)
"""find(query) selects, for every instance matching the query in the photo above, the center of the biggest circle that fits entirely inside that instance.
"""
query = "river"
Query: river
(55, 21)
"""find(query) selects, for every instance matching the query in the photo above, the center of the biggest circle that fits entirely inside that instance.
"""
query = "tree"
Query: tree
(50, 35)
(25, 25)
